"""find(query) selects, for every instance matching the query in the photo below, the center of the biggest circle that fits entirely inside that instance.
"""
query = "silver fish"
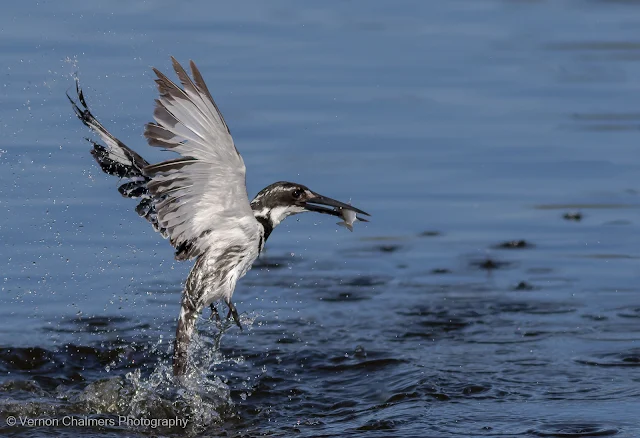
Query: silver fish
(349, 217)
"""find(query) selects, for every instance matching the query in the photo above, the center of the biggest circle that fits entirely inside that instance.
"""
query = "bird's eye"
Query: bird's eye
(296, 193)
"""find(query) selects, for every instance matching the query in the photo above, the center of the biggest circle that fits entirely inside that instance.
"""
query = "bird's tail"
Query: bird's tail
(117, 159)
(186, 326)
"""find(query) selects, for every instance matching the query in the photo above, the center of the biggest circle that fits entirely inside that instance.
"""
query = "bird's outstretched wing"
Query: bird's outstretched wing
(201, 196)
(116, 159)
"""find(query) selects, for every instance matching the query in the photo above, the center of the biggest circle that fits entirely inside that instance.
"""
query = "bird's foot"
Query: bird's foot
(215, 316)
(214, 313)
(233, 312)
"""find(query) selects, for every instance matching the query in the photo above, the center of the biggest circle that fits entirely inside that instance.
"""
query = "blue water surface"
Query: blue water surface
(459, 125)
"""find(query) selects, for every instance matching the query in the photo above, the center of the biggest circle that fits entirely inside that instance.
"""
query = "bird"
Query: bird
(199, 201)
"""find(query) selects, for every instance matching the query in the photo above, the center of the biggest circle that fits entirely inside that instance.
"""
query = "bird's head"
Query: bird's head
(282, 199)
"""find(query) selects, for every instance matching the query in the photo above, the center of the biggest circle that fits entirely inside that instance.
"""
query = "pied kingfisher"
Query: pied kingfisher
(199, 201)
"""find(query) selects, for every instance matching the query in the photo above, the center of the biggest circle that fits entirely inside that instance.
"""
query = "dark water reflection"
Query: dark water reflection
(495, 292)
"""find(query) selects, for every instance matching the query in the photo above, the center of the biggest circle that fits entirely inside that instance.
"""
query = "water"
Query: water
(460, 125)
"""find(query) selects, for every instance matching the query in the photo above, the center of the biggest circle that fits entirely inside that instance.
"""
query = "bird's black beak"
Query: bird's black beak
(317, 202)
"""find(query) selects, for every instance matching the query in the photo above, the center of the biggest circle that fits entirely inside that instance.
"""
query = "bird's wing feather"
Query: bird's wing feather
(202, 195)
(116, 158)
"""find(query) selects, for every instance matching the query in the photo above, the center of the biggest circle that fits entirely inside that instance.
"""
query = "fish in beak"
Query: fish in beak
(319, 204)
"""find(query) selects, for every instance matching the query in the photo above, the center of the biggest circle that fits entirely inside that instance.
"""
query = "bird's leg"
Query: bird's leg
(214, 313)
(233, 312)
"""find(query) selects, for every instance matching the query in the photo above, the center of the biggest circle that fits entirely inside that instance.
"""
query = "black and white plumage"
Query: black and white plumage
(199, 201)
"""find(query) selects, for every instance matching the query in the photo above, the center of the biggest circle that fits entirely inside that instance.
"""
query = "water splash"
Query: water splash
(200, 399)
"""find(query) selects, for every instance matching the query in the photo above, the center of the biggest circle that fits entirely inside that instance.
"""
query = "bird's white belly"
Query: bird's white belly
(214, 278)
